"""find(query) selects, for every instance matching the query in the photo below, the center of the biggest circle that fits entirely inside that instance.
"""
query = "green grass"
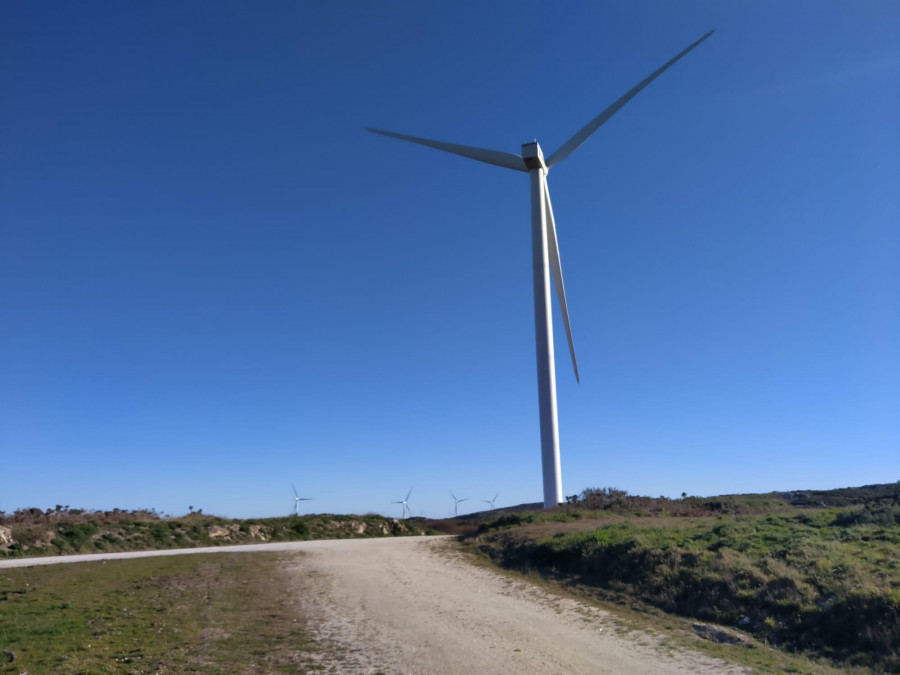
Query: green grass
(218, 613)
(818, 581)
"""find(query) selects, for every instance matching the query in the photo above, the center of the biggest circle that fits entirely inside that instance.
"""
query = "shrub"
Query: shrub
(882, 512)
(76, 535)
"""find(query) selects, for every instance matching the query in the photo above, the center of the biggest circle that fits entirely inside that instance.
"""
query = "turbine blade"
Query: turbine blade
(408, 494)
(296, 494)
(569, 146)
(505, 159)
(453, 495)
(556, 271)
(465, 500)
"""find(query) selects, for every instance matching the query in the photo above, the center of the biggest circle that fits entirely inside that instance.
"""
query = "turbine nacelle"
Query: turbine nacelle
(533, 156)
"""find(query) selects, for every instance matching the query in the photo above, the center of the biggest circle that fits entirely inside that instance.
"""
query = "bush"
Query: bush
(874, 513)
(75, 535)
(598, 499)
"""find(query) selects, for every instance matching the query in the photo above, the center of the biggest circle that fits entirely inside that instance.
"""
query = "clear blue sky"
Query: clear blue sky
(213, 282)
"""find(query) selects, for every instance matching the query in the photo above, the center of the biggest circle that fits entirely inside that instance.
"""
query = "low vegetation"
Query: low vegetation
(222, 613)
(60, 531)
(814, 573)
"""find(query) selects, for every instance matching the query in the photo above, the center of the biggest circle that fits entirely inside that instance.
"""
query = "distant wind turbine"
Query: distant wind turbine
(456, 503)
(491, 501)
(298, 499)
(545, 261)
(405, 503)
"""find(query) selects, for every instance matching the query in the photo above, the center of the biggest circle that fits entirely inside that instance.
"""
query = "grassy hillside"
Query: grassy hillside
(33, 532)
(823, 580)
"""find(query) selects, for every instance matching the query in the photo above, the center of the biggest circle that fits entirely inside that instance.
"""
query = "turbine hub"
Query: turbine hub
(534, 158)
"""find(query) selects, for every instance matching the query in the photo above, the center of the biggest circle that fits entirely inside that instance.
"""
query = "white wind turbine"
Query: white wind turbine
(456, 503)
(545, 261)
(405, 503)
(298, 499)
(491, 501)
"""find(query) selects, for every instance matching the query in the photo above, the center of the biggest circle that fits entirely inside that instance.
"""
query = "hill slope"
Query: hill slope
(32, 532)
(823, 580)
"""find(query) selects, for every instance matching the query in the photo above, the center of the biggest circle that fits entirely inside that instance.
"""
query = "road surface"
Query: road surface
(418, 605)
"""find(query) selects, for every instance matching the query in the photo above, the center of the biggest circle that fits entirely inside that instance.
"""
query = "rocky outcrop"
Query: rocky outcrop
(356, 526)
(227, 532)
(233, 532)
(720, 635)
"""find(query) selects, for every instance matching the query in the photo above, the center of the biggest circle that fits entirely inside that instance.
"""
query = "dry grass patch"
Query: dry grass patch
(207, 613)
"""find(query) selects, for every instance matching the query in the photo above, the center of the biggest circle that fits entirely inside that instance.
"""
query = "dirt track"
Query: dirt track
(417, 605)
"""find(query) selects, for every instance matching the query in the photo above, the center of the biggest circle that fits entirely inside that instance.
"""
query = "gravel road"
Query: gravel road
(242, 548)
(417, 605)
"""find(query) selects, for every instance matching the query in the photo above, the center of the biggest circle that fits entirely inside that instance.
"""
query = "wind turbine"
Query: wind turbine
(405, 502)
(491, 501)
(298, 499)
(545, 261)
(456, 504)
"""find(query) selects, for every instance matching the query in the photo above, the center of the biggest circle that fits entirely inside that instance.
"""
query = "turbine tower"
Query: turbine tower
(545, 261)
(298, 499)
(456, 504)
